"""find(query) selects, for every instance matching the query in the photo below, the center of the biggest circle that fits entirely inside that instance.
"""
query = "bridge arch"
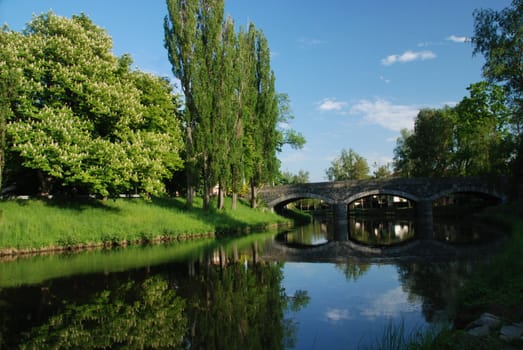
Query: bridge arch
(292, 197)
(469, 189)
(374, 192)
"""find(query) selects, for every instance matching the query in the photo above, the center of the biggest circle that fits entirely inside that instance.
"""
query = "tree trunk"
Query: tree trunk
(189, 166)
(189, 196)
(206, 182)
(1, 164)
(234, 204)
(220, 197)
(43, 180)
(253, 195)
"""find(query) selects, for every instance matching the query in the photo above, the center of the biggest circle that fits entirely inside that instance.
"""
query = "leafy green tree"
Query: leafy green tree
(402, 162)
(7, 86)
(244, 104)
(182, 39)
(382, 171)
(498, 35)
(431, 144)
(81, 119)
(265, 137)
(348, 166)
(470, 139)
(482, 138)
(287, 135)
(235, 122)
(290, 178)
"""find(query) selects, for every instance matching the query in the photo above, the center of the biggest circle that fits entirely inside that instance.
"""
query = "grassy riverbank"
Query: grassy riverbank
(27, 225)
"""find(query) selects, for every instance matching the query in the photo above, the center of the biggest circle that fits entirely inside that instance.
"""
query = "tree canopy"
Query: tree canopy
(469, 139)
(232, 110)
(348, 166)
(81, 119)
(498, 36)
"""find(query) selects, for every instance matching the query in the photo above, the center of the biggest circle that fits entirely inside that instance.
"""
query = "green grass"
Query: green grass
(35, 224)
(499, 281)
(395, 337)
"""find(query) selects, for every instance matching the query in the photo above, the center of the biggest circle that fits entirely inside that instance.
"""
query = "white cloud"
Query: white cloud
(311, 42)
(385, 80)
(384, 113)
(408, 56)
(330, 104)
(392, 303)
(335, 315)
(458, 39)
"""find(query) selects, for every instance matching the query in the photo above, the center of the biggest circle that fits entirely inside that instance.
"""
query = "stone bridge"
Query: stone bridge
(421, 191)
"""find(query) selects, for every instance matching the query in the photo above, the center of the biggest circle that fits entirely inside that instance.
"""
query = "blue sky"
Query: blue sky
(356, 71)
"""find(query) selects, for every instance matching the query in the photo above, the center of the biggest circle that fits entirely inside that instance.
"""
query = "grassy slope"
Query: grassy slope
(34, 224)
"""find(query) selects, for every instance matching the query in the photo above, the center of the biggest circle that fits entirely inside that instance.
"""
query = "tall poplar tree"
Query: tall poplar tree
(182, 41)
(264, 121)
(244, 100)
(195, 37)
(232, 108)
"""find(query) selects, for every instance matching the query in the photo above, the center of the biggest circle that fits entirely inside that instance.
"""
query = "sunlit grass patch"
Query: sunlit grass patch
(31, 224)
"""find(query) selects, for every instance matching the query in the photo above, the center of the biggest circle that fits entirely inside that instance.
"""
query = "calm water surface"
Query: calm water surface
(219, 295)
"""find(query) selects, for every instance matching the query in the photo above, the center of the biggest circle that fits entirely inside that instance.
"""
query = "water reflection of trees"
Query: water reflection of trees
(225, 299)
(134, 315)
(234, 307)
(435, 284)
(353, 271)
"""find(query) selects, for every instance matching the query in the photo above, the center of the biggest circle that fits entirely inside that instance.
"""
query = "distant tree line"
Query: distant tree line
(76, 119)
(473, 138)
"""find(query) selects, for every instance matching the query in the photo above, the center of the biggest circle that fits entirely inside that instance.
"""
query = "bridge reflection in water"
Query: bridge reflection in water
(394, 243)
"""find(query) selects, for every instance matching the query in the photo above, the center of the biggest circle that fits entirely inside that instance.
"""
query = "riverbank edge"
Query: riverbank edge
(465, 317)
(229, 230)
(13, 253)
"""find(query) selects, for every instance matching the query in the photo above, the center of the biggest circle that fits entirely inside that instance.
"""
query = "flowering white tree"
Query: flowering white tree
(80, 117)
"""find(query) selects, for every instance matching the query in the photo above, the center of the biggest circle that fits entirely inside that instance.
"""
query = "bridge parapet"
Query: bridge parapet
(415, 189)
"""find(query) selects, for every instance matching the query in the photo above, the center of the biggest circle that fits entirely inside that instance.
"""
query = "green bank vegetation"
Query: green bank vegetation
(495, 287)
(29, 225)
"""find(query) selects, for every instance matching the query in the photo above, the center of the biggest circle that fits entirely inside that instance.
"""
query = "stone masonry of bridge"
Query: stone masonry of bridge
(421, 191)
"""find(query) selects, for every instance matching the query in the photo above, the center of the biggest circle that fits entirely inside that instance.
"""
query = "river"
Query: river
(225, 294)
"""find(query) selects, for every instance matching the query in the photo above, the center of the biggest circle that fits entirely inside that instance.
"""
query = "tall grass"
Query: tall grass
(395, 337)
(34, 224)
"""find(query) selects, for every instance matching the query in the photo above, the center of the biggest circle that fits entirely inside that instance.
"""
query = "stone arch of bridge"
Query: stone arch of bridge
(469, 189)
(293, 197)
(390, 192)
